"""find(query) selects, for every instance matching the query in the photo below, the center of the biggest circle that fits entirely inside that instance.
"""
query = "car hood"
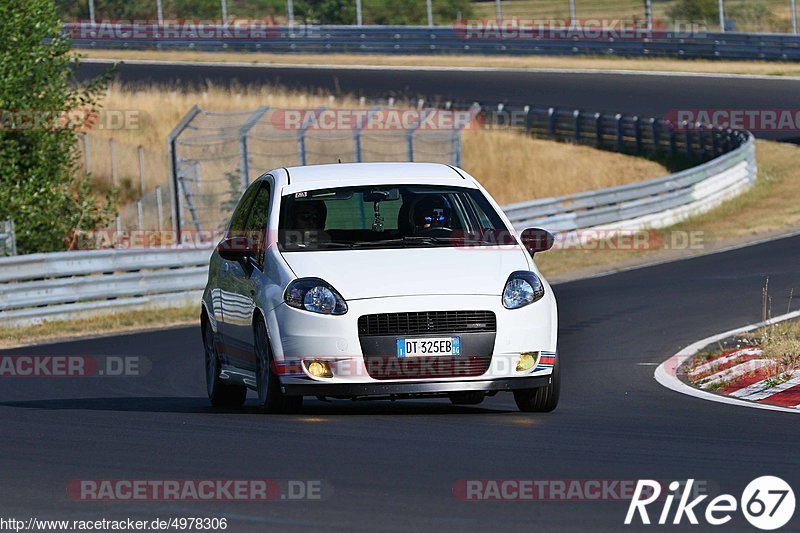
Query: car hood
(358, 274)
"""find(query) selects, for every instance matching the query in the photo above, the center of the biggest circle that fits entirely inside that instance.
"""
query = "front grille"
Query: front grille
(427, 322)
(392, 367)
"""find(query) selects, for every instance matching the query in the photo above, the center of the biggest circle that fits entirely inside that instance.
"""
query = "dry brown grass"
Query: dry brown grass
(769, 208)
(98, 325)
(761, 68)
(513, 166)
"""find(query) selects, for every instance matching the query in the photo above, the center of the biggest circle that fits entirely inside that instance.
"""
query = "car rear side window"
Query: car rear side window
(239, 217)
(256, 226)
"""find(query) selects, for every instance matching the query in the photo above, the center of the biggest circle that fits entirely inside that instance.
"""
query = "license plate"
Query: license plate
(428, 346)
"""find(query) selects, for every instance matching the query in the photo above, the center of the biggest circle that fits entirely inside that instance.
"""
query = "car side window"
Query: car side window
(256, 226)
(239, 217)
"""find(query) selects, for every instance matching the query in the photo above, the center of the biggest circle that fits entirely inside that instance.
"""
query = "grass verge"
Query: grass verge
(770, 208)
(753, 68)
(98, 325)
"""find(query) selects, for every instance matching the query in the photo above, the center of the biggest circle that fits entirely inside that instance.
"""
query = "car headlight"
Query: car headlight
(315, 295)
(522, 288)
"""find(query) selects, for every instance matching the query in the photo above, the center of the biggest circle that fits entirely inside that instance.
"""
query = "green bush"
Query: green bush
(38, 184)
(695, 11)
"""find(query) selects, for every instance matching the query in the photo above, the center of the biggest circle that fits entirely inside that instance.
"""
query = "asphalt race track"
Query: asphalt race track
(645, 94)
(392, 466)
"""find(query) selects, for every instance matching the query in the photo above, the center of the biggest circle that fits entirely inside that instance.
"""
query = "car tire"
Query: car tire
(268, 385)
(220, 394)
(542, 399)
(466, 397)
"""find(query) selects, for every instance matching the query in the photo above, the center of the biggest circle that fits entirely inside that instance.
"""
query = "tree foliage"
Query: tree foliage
(695, 11)
(38, 184)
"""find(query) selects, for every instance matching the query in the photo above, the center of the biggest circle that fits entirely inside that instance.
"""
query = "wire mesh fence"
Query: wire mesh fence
(214, 156)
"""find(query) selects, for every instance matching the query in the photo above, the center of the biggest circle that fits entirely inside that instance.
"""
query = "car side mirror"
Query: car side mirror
(235, 249)
(537, 240)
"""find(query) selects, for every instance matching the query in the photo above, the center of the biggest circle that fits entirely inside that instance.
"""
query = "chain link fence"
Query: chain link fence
(214, 156)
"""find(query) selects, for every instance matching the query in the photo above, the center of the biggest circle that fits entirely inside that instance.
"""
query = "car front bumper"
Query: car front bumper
(298, 336)
(412, 388)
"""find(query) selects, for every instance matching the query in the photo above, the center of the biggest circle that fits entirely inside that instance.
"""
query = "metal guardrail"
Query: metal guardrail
(728, 168)
(654, 203)
(63, 285)
(8, 238)
(449, 40)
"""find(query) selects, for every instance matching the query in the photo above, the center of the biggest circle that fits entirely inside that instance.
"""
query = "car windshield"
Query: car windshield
(389, 216)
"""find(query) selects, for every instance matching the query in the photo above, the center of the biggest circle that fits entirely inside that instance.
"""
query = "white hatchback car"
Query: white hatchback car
(377, 280)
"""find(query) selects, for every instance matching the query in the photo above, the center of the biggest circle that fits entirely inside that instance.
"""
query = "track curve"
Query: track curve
(393, 466)
(647, 94)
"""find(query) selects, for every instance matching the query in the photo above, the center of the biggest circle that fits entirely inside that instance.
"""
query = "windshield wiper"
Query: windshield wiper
(408, 240)
(316, 246)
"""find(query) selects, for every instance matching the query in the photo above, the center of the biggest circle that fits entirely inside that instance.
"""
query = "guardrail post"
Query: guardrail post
(455, 147)
(689, 149)
(160, 208)
(528, 123)
(551, 122)
(655, 135)
(577, 116)
(673, 141)
(139, 214)
(173, 169)
(701, 141)
(715, 142)
(112, 147)
(620, 132)
(637, 132)
(13, 236)
(141, 170)
(598, 130)
(244, 131)
(357, 133)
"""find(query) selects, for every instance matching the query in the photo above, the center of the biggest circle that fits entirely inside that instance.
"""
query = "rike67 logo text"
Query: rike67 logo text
(767, 503)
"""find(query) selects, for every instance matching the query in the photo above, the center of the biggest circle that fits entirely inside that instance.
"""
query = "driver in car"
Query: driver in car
(308, 220)
(431, 213)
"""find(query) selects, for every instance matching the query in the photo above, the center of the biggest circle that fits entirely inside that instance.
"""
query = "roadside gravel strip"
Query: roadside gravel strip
(744, 369)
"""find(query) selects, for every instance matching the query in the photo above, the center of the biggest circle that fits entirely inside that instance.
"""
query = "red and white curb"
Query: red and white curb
(751, 390)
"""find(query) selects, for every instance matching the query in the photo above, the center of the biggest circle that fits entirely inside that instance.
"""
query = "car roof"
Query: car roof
(343, 174)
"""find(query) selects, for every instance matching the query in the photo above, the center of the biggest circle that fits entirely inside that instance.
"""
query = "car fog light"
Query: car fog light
(526, 361)
(319, 369)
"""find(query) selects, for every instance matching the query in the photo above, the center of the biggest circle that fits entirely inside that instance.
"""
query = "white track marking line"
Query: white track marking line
(665, 373)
